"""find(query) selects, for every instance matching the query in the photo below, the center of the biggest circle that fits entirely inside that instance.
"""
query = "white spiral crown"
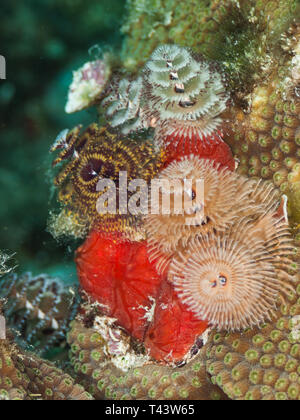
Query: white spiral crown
(187, 93)
(123, 106)
(177, 94)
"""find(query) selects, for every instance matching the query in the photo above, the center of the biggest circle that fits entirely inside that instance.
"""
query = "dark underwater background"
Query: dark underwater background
(42, 42)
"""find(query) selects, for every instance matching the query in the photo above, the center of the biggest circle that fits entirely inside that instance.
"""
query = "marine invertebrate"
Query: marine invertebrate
(123, 102)
(103, 369)
(185, 94)
(67, 224)
(179, 94)
(265, 138)
(69, 144)
(110, 366)
(46, 382)
(126, 286)
(174, 331)
(88, 83)
(233, 279)
(120, 277)
(24, 376)
(12, 384)
(99, 154)
(294, 195)
(295, 73)
(38, 310)
(219, 152)
(261, 363)
(243, 34)
(226, 197)
(4, 259)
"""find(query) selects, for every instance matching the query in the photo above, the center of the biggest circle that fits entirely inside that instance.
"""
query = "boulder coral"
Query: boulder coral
(110, 368)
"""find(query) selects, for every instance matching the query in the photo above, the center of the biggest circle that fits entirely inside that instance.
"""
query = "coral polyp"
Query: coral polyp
(226, 196)
(100, 155)
(88, 83)
(234, 279)
(105, 361)
(124, 106)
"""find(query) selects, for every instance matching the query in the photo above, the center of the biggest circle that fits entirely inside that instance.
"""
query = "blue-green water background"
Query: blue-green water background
(42, 41)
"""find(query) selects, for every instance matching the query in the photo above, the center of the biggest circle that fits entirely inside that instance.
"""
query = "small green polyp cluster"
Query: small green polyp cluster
(97, 372)
(25, 377)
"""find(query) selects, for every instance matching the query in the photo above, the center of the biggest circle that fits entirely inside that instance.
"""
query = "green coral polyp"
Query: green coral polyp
(291, 366)
(281, 384)
(280, 360)
(284, 346)
(152, 393)
(252, 356)
(268, 347)
(96, 355)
